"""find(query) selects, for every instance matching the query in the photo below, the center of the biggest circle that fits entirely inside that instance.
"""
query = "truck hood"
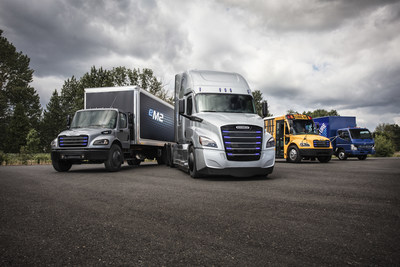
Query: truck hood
(363, 141)
(221, 119)
(82, 131)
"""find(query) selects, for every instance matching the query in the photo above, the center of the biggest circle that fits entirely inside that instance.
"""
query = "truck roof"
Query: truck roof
(209, 81)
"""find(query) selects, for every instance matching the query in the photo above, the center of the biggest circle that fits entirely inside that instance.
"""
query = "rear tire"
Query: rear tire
(324, 159)
(342, 154)
(134, 162)
(61, 165)
(115, 159)
(293, 154)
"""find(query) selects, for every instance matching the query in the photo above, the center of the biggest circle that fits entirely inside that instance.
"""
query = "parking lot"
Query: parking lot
(339, 213)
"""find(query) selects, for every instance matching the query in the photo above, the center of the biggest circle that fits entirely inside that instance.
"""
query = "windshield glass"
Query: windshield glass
(360, 134)
(95, 118)
(303, 127)
(225, 103)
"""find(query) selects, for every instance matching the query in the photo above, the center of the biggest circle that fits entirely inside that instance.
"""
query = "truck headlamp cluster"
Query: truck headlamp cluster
(54, 143)
(270, 142)
(304, 144)
(101, 142)
(205, 141)
(353, 147)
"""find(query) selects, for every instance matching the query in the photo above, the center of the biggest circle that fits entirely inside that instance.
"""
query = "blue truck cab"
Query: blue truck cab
(347, 139)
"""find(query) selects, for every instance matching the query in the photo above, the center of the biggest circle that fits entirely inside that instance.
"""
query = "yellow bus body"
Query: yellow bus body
(294, 144)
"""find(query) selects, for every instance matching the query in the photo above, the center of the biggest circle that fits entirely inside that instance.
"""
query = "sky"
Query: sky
(302, 55)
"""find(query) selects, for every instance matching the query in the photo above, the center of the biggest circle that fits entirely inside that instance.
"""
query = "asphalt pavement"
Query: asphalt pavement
(339, 213)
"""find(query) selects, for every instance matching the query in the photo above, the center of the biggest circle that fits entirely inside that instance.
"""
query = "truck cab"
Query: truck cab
(354, 142)
(217, 129)
(93, 136)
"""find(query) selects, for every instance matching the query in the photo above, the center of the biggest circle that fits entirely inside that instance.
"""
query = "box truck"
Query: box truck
(117, 124)
(347, 139)
(217, 129)
(297, 138)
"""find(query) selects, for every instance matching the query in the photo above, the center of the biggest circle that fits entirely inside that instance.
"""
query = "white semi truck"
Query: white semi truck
(217, 129)
(118, 124)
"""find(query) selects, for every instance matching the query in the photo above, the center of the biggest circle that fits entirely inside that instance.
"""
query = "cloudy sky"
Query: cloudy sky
(302, 55)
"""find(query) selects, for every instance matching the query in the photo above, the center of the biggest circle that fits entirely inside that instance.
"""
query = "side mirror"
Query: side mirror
(265, 109)
(68, 121)
(181, 106)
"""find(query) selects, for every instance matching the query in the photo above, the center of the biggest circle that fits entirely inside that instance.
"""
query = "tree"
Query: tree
(32, 141)
(391, 132)
(321, 113)
(18, 100)
(258, 101)
(383, 146)
(53, 122)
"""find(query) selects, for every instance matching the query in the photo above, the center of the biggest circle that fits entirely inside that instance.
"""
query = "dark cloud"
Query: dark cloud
(61, 36)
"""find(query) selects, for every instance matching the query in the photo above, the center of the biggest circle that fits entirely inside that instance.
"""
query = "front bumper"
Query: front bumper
(79, 155)
(214, 162)
(316, 152)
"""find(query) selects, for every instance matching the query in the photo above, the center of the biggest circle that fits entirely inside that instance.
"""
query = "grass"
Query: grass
(24, 158)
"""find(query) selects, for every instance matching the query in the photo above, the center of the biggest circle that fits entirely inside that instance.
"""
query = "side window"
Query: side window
(123, 121)
(189, 105)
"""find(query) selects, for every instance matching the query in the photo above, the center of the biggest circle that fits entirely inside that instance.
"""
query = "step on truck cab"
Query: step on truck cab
(347, 139)
(118, 124)
(297, 138)
(217, 129)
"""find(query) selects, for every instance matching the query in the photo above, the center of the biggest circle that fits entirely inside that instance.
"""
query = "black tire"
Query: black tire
(293, 154)
(324, 159)
(115, 159)
(341, 154)
(170, 159)
(61, 165)
(134, 162)
(192, 164)
(362, 157)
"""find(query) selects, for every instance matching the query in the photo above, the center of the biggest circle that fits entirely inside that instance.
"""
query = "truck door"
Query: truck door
(279, 138)
(123, 130)
(344, 140)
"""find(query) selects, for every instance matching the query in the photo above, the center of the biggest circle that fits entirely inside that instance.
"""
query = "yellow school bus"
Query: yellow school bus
(297, 138)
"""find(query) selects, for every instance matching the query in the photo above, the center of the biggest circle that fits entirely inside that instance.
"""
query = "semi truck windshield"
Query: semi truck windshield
(360, 134)
(95, 118)
(303, 127)
(225, 103)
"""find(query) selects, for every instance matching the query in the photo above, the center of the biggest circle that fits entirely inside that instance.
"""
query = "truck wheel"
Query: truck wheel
(192, 164)
(61, 165)
(362, 157)
(115, 159)
(293, 154)
(170, 160)
(342, 155)
(324, 159)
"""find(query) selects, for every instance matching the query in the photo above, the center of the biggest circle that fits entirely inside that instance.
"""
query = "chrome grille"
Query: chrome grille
(321, 143)
(242, 142)
(73, 141)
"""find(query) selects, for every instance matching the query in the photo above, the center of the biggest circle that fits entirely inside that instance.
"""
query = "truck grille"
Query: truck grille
(242, 142)
(321, 143)
(73, 141)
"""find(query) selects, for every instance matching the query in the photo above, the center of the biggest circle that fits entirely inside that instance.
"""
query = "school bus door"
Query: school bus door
(280, 138)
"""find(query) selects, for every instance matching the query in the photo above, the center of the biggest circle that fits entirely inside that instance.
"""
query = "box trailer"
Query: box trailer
(117, 124)
(347, 139)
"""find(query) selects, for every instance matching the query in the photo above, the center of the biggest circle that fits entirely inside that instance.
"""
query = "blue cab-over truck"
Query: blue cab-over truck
(347, 139)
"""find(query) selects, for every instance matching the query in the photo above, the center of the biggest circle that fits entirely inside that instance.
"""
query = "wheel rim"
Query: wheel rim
(293, 154)
(341, 155)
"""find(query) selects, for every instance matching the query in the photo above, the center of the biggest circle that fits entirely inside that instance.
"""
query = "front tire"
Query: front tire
(293, 154)
(362, 157)
(342, 155)
(61, 165)
(192, 164)
(115, 159)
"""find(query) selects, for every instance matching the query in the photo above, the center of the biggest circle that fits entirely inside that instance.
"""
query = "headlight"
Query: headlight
(205, 141)
(353, 147)
(102, 142)
(270, 142)
(304, 144)
(53, 143)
